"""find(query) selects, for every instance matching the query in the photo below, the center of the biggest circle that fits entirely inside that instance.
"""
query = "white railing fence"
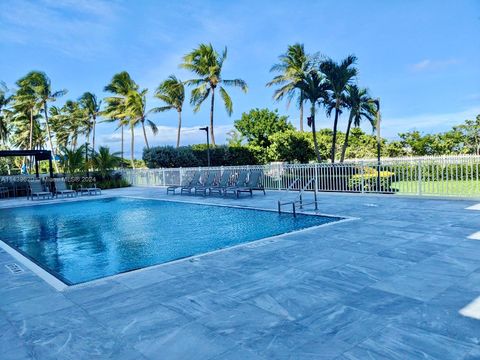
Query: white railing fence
(446, 176)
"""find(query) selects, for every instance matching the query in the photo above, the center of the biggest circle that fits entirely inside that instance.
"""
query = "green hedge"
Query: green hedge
(192, 156)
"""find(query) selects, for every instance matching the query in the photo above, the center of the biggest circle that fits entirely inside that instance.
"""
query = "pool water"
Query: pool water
(86, 240)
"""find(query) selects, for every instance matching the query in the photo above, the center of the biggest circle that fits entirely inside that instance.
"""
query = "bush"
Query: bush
(369, 178)
(192, 156)
(291, 146)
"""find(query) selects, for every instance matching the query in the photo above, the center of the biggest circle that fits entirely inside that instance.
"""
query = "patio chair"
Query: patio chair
(222, 184)
(185, 184)
(192, 184)
(253, 183)
(4, 192)
(92, 190)
(62, 189)
(207, 184)
(239, 183)
(36, 189)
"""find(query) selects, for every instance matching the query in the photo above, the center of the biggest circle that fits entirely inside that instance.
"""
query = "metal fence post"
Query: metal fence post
(419, 171)
(362, 177)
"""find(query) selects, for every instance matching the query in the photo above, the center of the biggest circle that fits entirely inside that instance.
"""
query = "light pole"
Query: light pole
(208, 144)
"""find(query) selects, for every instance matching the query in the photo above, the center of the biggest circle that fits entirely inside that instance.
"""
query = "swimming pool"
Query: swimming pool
(85, 240)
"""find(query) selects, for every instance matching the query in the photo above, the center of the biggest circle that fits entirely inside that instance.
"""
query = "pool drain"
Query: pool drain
(15, 269)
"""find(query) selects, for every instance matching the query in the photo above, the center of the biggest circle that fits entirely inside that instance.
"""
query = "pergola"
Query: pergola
(39, 155)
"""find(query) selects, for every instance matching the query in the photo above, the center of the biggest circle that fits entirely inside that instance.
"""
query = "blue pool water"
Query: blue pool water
(86, 240)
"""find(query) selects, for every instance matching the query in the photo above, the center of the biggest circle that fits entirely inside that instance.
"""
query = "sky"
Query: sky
(420, 57)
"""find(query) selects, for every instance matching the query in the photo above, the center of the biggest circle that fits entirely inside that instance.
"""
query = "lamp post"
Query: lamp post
(208, 144)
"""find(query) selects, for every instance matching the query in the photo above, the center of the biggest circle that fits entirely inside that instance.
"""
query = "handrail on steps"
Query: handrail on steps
(299, 198)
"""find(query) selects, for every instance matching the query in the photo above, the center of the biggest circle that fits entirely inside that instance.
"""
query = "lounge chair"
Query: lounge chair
(253, 183)
(207, 184)
(194, 180)
(92, 190)
(62, 189)
(36, 189)
(239, 183)
(192, 184)
(222, 184)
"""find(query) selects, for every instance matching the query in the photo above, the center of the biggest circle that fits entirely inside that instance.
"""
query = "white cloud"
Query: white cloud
(429, 64)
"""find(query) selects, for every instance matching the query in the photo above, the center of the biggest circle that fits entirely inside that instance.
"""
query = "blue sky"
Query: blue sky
(420, 57)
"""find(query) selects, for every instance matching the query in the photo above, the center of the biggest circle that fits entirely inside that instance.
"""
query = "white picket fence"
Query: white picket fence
(444, 176)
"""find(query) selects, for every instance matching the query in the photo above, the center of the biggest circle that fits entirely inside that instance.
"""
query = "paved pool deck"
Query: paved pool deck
(400, 282)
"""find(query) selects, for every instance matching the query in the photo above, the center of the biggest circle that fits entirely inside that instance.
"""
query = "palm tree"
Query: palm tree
(172, 93)
(338, 76)
(135, 109)
(42, 88)
(205, 62)
(25, 104)
(113, 112)
(5, 114)
(121, 85)
(314, 88)
(293, 66)
(72, 160)
(104, 160)
(89, 102)
(361, 106)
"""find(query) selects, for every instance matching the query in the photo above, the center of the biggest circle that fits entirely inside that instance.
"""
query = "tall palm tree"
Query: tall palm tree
(5, 113)
(121, 86)
(361, 107)
(205, 62)
(114, 112)
(42, 87)
(172, 93)
(293, 66)
(25, 104)
(314, 87)
(92, 106)
(136, 110)
(338, 76)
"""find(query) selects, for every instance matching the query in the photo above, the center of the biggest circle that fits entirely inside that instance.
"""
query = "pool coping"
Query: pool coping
(59, 285)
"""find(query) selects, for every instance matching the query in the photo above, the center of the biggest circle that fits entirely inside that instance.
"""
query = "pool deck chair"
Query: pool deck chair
(173, 188)
(192, 184)
(253, 183)
(222, 184)
(239, 183)
(93, 190)
(37, 190)
(62, 189)
(205, 187)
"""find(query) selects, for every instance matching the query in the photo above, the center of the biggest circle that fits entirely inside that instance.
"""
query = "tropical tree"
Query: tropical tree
(121, 86)
(136, 111)
(41, 85)
(114, 112)
(314, 87)
(293, 66)
(91, 105)
(72, 160)
(361, 106)
(338, 76)
(172, 93)
(5, 114)
(25, 105)
(104, 160)
(207, 64)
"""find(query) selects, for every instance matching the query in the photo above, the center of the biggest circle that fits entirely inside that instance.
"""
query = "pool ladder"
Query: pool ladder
(298, 202)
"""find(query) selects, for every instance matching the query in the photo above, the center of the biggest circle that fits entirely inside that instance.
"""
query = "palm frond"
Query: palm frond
(227, 101)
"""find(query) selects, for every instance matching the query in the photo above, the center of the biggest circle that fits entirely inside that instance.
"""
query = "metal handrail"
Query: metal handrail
(299, 198)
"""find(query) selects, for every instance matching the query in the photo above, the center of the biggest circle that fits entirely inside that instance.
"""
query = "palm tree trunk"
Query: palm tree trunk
(301, 113)
(31, 129)
(122, 145)
(179, 128)
(93, 135)
(212, 104)
(345, 144)
(334, 139)
(45, 109)
(132, 146)
(145, 134)
(314, 133)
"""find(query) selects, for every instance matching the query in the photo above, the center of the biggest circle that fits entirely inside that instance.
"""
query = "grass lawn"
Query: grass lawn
(451, 187)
